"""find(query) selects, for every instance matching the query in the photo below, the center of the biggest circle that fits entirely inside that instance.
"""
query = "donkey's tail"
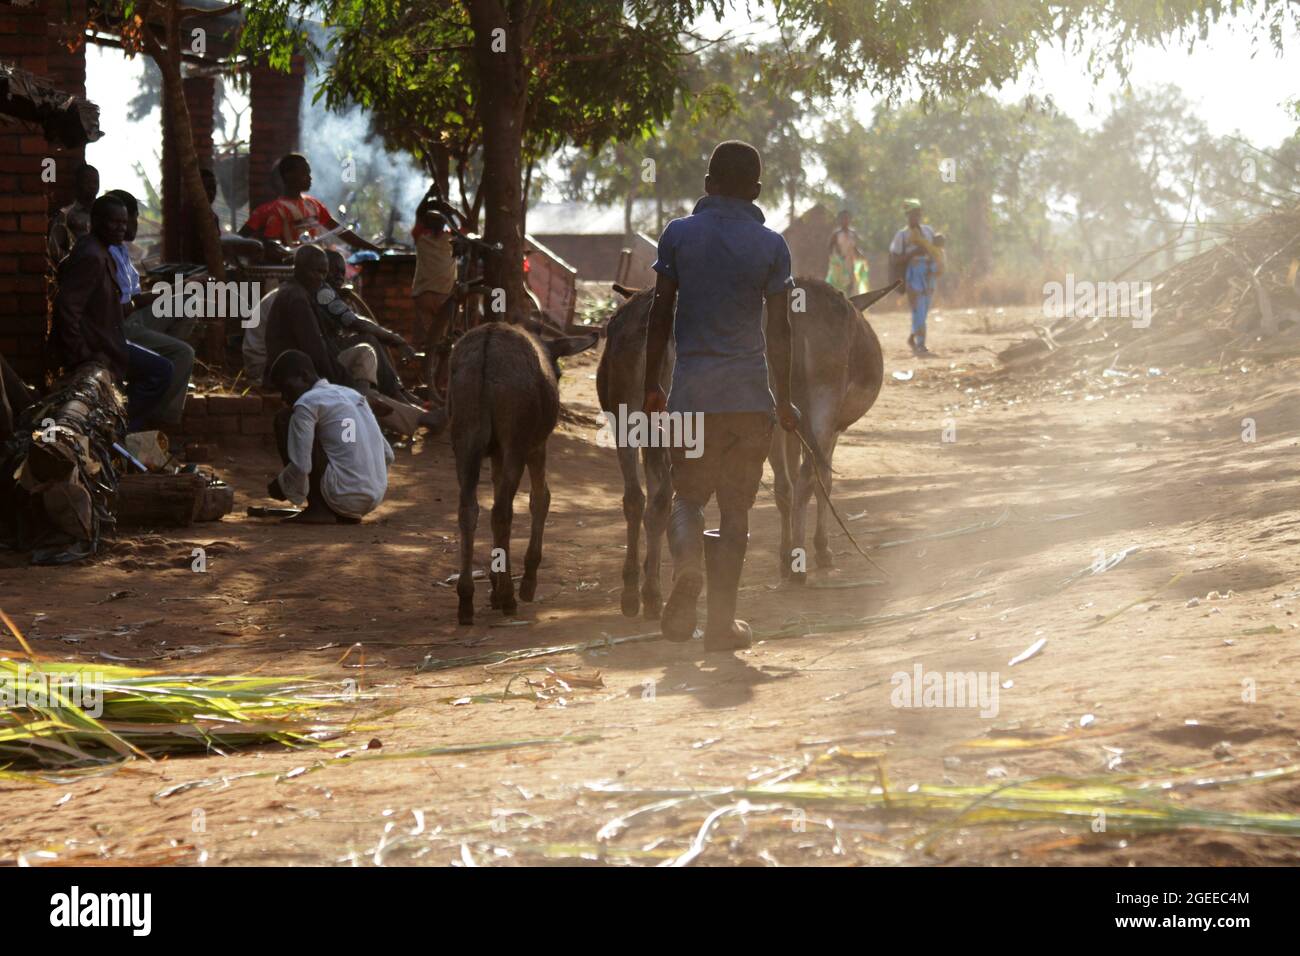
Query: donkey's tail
(469, 402)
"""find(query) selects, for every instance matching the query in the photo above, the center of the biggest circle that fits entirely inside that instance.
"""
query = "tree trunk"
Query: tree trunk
(440, 166)
(168, 57)
(499, 38)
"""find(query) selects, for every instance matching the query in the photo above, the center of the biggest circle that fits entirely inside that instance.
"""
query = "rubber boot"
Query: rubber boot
(677, 622)
(724, 559)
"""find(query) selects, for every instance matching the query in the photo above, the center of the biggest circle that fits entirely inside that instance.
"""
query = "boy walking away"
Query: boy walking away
(914, 259)
(335, 457)
(716, 268)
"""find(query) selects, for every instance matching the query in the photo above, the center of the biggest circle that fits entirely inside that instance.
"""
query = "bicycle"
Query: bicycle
(464, 307)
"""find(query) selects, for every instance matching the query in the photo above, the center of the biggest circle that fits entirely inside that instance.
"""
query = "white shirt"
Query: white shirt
(254, 347)
(357, 454)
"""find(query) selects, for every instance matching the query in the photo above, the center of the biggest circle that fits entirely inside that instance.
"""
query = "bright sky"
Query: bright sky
(1235, 92)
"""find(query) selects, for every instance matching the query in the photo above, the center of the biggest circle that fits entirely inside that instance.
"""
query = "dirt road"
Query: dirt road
(1176, 663)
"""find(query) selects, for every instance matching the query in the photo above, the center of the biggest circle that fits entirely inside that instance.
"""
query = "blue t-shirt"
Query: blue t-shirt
(128, 279)
(724, 261)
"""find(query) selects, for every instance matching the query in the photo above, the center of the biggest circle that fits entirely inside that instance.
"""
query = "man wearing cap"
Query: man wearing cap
(913, 258)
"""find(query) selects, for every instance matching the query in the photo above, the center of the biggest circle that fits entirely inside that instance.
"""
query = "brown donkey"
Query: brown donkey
(504, 400)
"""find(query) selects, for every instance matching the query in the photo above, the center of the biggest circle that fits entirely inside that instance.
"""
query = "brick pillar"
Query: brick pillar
(275, 99)
(26, 192)
(200, 92)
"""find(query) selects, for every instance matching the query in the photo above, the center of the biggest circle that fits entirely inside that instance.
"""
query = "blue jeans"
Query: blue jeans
(919, 292)
(148, 376)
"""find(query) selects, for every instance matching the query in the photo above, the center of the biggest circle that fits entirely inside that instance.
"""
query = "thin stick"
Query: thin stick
(13, 629)
(826, 495)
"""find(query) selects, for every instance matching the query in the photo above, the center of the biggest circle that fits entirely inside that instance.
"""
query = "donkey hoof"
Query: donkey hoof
(631, 604)
(654, 605)
(799, 577)
(465, 614)
(527, 589)
(508, 608)
(825, 560)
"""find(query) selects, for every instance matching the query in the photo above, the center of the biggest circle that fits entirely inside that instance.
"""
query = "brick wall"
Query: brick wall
(275, 99)
(26, 200)
(230, 420)
(386, 287)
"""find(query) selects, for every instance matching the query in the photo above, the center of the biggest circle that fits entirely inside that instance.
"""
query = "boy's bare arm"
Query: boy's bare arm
(659, 330)
(779, 353)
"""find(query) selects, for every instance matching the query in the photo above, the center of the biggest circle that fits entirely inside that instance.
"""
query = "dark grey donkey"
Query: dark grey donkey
(503, 401)
(837, 373)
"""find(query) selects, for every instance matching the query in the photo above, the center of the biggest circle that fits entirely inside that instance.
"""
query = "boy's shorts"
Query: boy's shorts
(734, 446)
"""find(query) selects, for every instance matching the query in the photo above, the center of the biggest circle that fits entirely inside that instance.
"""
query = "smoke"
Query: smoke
(350, 166)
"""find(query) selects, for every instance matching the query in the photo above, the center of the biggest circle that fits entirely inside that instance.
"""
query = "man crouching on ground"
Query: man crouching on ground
(716, 267)
(335, 458)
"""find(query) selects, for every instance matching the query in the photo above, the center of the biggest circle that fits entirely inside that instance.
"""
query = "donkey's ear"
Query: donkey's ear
(625, 291)
(865, 300)
(570, 344)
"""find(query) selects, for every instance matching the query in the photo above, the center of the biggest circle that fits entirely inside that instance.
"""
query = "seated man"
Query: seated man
(335, 458)
(73, 221)
(297, 320)
(357, 325)
(295, 214)
(87, 325)
(291, 321)
(167, 336)
(253, 346)
(232, 246)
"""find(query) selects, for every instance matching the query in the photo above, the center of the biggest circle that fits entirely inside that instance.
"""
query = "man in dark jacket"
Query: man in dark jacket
(292, 323)
(87, 323)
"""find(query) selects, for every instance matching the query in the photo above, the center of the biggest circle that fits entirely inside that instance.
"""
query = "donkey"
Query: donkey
(504, 401)
(837, 372)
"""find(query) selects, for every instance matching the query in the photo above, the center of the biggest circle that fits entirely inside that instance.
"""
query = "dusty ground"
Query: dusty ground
(1062, 474)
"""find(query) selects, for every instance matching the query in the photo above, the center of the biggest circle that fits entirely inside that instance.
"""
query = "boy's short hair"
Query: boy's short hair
(291, 161)
(735, 165)
(289, 363)
(309, 250)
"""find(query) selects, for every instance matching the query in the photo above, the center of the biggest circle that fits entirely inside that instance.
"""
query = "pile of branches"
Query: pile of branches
(1239, 299)
(57, 481)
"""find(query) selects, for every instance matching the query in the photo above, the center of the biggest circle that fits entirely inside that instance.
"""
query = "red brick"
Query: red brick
(196, 406)
(221, 424)
(225, 405)
(22, 204)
